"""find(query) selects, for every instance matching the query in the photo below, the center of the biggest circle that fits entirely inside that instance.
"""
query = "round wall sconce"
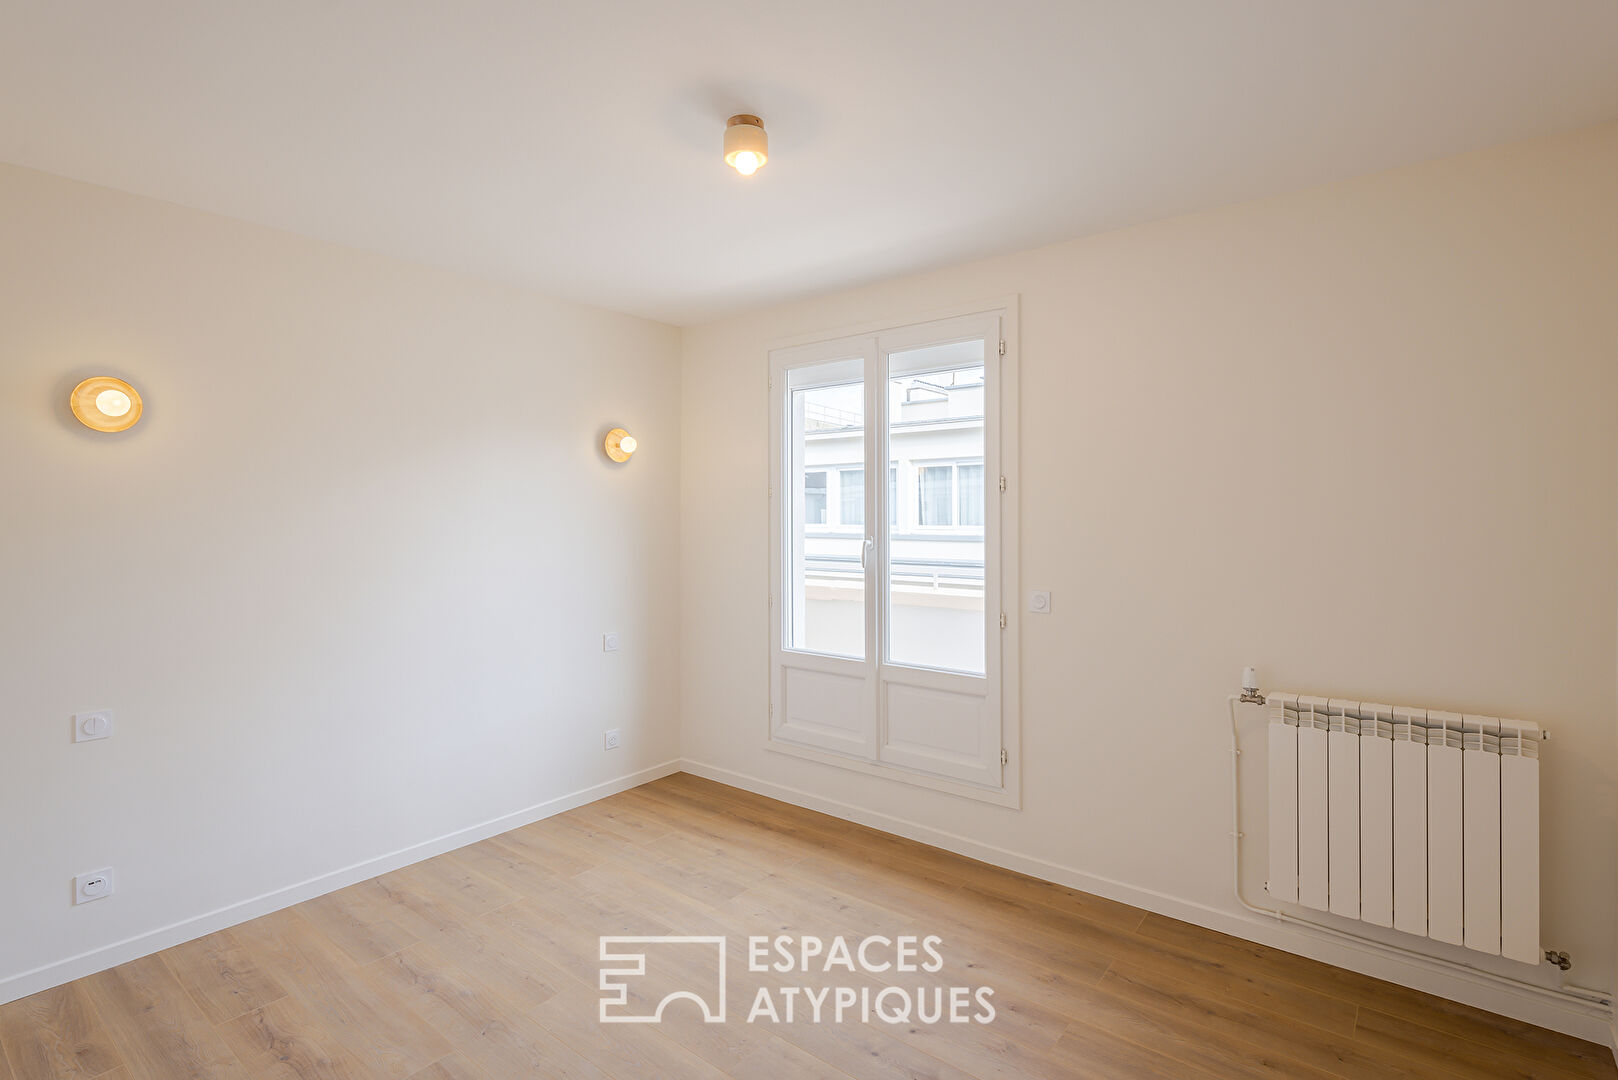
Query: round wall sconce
(620, 444)
(106, 404)
(747, 148)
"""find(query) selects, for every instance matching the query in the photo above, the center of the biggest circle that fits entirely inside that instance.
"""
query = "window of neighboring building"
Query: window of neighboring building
(814, 498)
(851, 496)
(935, 502)
(969, 485)
(950, 495)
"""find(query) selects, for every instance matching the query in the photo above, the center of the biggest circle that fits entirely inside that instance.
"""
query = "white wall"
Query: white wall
(1362, 436)
(344, 585)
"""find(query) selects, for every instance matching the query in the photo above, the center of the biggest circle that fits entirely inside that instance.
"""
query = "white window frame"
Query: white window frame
(1002, 576)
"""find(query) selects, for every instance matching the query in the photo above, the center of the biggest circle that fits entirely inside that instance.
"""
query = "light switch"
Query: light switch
(1039, 602)
(609, 642)
(92, 725)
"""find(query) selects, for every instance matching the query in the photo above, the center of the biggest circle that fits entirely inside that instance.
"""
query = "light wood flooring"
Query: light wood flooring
(484, 963)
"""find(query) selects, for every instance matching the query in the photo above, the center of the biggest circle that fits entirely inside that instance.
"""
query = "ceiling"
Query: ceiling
(575, 147)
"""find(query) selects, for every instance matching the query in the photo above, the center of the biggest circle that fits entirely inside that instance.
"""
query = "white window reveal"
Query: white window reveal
(891, 643)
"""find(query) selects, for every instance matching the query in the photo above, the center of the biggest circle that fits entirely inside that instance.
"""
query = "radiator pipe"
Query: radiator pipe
(1250, 694)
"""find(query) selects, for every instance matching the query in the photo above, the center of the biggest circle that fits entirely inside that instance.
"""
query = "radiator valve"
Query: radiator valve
(1250, 687)
(1560, 959)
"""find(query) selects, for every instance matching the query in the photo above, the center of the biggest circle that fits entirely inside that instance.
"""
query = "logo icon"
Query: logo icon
(682, 957)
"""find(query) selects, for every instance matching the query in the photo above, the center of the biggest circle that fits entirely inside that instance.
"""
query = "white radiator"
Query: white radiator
(1423, 821)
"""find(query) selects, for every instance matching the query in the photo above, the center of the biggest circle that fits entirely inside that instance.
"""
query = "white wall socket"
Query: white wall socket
(92, 725)
(609, 642)
(609, 740)
(1040, 602)
(92, 886)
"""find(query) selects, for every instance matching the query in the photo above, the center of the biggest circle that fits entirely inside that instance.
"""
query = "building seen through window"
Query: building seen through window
(935, 511)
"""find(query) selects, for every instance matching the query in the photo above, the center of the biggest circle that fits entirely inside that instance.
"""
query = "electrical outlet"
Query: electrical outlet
(92, 725)
(609, 642)
(609, 740)
(92, 886)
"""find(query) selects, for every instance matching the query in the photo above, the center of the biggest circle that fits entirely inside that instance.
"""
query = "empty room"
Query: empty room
(873, 540)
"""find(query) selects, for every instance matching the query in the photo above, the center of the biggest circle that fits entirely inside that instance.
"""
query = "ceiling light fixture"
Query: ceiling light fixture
(747, 148)
(106, 404)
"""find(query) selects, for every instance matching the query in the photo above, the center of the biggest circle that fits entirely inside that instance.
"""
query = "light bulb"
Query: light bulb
(627, 444)
(103, 403)
(112, 402)
(746, 163)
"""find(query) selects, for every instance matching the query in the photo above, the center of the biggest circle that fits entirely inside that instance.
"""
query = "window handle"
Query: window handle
(865, 550)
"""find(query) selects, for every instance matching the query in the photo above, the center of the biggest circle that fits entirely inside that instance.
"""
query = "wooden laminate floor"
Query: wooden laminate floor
(485, 963)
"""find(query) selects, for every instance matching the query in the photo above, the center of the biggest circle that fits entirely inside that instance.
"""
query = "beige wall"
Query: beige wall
(1363, 436)
(344, 585)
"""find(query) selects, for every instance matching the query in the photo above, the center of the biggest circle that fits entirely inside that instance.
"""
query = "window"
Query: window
(969, 483)
(936, 500)
(851, 496)
(827, 412)
(950, 496)
(888, 652)
(814, 498)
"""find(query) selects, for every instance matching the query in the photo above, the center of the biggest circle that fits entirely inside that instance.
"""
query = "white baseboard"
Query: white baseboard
(1583, 1020)
(88, 963)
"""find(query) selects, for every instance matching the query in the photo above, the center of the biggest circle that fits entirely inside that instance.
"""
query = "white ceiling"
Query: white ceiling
(575, 147)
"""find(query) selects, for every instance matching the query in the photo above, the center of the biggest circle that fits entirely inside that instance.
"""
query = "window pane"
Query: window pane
(825, 582)
(936, 615)
(932, 491)
(969, 478)
(851, 497)
(814, 498)
(893, 495)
